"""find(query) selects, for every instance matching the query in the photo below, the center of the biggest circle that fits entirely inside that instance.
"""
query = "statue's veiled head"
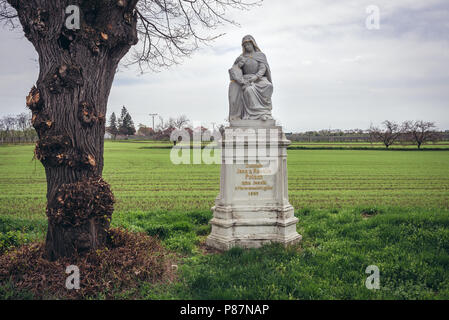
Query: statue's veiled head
(249, 44)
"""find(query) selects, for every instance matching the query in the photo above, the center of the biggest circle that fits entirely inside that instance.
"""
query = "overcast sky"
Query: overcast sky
(329, 70)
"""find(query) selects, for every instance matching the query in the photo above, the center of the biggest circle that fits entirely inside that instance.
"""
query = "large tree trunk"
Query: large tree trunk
(69, 102)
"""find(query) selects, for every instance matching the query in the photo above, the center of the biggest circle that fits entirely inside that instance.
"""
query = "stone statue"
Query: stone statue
(251, 86)
(252, 208)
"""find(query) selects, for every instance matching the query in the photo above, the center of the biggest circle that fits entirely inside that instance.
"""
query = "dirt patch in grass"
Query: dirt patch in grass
(369, 212)
(128, 260)
(205, 249)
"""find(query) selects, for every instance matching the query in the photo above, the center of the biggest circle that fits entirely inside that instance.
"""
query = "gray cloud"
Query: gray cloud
(328, 69)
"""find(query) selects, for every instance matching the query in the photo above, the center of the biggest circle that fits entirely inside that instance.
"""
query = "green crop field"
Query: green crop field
(440, 145)
(143, 178)
(356, 208)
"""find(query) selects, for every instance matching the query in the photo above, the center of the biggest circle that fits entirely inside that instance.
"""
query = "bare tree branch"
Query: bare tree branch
(8, 15)
(170, 30)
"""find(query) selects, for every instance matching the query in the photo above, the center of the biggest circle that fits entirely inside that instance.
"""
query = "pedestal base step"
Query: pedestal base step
(252, 233)
(223, 243)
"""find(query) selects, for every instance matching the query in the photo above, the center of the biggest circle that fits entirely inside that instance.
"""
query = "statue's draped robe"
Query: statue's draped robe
(253, 102)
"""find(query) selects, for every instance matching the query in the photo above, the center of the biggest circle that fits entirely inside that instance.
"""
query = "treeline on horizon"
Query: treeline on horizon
(18, 129)
(417, 132)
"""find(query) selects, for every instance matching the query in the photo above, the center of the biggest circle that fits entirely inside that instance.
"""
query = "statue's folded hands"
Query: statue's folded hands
(251, 77)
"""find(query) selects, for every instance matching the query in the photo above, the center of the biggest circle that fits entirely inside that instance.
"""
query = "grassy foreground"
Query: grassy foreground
(356, 208)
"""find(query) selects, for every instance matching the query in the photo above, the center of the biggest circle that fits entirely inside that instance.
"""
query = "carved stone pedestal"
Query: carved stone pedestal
(252, 208)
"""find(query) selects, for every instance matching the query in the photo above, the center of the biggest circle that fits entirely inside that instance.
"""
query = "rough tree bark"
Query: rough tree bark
(69, 102)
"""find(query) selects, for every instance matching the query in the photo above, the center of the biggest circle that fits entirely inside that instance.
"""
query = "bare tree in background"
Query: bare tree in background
(181, 122)
(387, 134)
(9, 122)
(77, 68)
(420, 131)
(162, 125)
(23, 121)
(17, 128)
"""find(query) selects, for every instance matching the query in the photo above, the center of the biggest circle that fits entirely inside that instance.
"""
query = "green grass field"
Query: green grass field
(356, 208)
